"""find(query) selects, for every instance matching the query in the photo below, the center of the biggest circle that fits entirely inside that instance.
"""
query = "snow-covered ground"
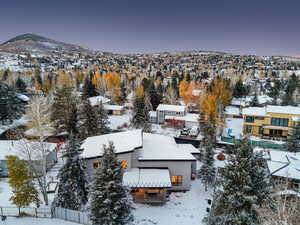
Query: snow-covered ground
(34, 221)
(117, 121)
(182, 208)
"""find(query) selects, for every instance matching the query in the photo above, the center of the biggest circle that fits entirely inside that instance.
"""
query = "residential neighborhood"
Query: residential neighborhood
(149, 113)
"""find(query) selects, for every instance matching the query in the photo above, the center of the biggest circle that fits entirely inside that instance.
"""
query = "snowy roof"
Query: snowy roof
(284, 164)
(97, 99)
(231, 110)
(123, 142)
(113, 107)
(254, 111)
(149, 178)
(159, 147)
(23, 97)
(176, 108)
(17, 148)
(262, 111)
(190, 117)
(189, 147)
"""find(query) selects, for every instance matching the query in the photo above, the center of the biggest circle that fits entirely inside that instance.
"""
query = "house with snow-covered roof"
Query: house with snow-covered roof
(153, 164)
(273, 122)
(284, 167)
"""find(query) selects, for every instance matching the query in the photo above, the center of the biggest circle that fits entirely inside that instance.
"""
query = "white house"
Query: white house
(169, 110)
(153, 164)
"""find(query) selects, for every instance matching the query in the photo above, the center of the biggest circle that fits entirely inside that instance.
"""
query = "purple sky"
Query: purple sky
(263, 27)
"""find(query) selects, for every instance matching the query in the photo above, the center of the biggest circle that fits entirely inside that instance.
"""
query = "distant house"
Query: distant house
(153, 164)
(232, 112)
(16, 148)
(164, 110)
(97, 99)
(114, 109)
(284, 167)
(270, 121)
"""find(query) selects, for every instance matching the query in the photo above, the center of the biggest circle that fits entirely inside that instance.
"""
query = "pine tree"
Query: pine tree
(72, 192)
(23, 189)
(109, 202)
(293, 140)
(89, 90)
(254, 101)
(140, 118)
(64, 114)
(20, 85)
(234, 204)
(11, 107)
(155, 99)
(87, 119)
(239, 89)
(207, 171)
(102, 120)
(123, 95)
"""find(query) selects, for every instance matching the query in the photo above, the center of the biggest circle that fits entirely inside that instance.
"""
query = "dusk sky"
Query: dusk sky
(262, 27)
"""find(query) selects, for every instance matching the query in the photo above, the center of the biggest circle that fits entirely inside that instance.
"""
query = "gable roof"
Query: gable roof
(262, 111)
(176, 108)
(123, 141)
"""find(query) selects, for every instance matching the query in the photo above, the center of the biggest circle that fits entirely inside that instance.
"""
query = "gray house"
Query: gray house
(19, 147)
(169, 110)
(153, 164)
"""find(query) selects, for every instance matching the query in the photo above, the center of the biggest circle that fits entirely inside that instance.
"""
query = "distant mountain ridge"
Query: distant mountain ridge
(37, 44)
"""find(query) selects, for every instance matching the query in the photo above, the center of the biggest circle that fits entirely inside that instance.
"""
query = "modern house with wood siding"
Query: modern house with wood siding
(153, 164)
(272, 122)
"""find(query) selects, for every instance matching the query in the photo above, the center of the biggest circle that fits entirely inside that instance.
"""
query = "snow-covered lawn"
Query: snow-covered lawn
(183, 208)
(34, 221)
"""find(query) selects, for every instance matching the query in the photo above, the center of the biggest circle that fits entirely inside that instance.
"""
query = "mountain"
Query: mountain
(38, 45)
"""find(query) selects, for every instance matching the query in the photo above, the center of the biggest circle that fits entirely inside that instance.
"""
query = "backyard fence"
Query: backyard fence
(29, 211)
(71, 216)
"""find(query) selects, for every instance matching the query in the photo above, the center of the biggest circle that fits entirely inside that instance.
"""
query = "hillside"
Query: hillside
(38, 45)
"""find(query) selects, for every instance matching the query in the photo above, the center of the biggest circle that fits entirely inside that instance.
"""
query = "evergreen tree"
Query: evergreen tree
(234, 204)
(155, 99)
(23, 189)
(123, 95)
(72, 192)
(207, 171)
(287, 98)
(109, 202)
(88, 119)
(293, 140)
(102, 120)
(64, 114)
(254, 101)
(11, 107)
(239, 89)
(274, 90)
(20, 85)
(141, 109)
(89, 90)
(5, 75)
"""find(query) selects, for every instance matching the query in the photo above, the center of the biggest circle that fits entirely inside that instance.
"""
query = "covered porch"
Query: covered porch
(148, 186)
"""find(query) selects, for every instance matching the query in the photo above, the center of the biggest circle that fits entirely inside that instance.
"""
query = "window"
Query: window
(248, 129)
(124, 164)
(259, 118)
(275, 132)
(96, 164)
(249, 119)
(261, 130)
(296, 184)
(176, 180)
(282, 122)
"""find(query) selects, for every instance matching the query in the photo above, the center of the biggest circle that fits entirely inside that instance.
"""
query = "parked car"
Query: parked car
(185, 132)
